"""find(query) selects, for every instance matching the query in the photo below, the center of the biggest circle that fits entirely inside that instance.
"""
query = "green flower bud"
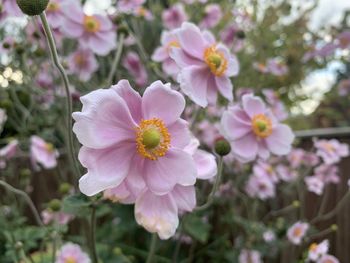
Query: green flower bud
(55, 205)
(65, 188)
(240, 34)
(222, 147)
(32, 7)
(296, 203)
(123, 30)
(334, 227)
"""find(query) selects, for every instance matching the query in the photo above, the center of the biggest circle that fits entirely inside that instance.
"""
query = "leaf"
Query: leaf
(77, 204)
(197, 228)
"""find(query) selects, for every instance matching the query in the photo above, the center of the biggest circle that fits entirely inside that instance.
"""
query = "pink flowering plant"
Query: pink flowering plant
(172, 131)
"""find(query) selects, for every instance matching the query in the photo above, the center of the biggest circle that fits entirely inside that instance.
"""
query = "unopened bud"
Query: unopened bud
(296, 203)
(334, 227)
(222, 147)
(65, 188)
(32, 7)
(55, 205)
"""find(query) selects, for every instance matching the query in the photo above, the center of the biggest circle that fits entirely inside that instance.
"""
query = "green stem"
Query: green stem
(69, 104)
(152, 249)
(92, 235)
(215, 187)
(116, 60)
(26, 197)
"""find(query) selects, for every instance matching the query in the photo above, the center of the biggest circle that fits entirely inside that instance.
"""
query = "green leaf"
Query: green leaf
(197, 228)
(77, 204)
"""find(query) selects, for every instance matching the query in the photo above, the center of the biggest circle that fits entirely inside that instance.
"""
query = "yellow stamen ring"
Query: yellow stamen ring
(215, 60)
(91, 24)
(152, 138)
(262, 126)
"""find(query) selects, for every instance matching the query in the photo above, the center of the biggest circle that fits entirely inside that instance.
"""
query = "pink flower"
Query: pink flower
(59, 217)
(82, 63)
(286, 173)
(168, 40)
(94, 32)
(147, 138)
(42, 153)
(328, 173)
(134, 66)
(144, 13)
(250, 256)
(269, 236)
(318, 250)
(314, 184)
(263, 168)
(128, 6)
(253, 131)
(8, 152)
(261, 67)
(233, 36)
(296, 232)
(206, 67)
(276, 67)
(260, 186)
(70, 252)
(54, 12)
(276, 104)
(174, 16)
(212, 16)
(331, 151)
(328, 259)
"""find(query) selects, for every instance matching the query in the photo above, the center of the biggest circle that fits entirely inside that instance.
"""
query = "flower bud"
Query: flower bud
(222, 147)
(32, 7)
(55, 205)
(123, 30)
(296, 203)
(334, 227)
(65, 188)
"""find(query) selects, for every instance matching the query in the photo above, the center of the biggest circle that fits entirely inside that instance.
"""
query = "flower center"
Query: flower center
(49, 147)
(215, 60)
(79, 60)
(329, 147)
(297, 232)
(152, 138)
(172, 44)
(91, 24)
(313, 247)
(70, 260)
(262, 125)
(53, 7)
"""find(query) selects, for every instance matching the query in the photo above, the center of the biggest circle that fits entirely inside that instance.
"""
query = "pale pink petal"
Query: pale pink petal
(180, 134)
(279, 142)
(160, 101)
(246, 147)
(206, 165)
(225, 87)
(185, 197)
(232, 126)
(253, 105)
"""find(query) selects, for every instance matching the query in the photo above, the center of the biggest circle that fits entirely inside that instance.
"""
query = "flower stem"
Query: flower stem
(116, 60)
(27, 198)
(152, 249)
(69, 104)
(215, 187)
(92, 234)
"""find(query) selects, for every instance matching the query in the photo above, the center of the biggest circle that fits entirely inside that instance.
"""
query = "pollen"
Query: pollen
(313, 247)
(215, 60)
(70, 260)
(49, 147)
(297, 232)
(262, 126)
(152, 139)
(91, 24)
(173, 44)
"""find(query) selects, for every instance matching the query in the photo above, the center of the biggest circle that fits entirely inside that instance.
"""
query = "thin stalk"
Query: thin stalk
(152, 249)
(116, 60)
(215, 187)
(26, 198)
(92, 235)
(69, 104)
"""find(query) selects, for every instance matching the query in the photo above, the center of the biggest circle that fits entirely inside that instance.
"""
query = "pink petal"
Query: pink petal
(183, 60)
(246, 147)
(206, 165)
(253, 105)
(180, 134)
(233, 124)
(105, 120)
(279, 142)
(131, 97)
(160, 101)
(176, 167)
(225, 87)
(157, 214)
(104, 171)
(185, 197)
(160, 54)
(194, 83)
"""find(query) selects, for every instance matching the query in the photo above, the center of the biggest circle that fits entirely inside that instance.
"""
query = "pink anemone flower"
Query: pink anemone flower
(168, 40)
(82, 63)
(253, 130)
(147, 139)
(296, 232)
(70, 252)
(174, 16)
(136, 69)
(206, 66)
(95, 32)
(43, 153)
(331, 151)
